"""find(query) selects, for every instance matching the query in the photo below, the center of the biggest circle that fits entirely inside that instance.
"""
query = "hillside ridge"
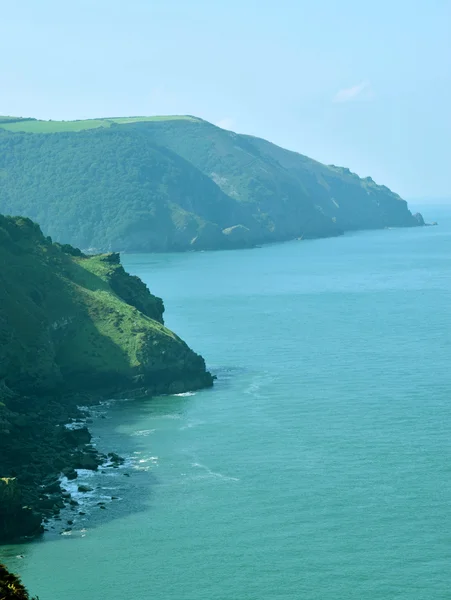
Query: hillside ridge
(177, 183)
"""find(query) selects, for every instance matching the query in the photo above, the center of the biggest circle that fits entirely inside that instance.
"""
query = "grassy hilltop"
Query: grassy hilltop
(29, 125)
(178, 183)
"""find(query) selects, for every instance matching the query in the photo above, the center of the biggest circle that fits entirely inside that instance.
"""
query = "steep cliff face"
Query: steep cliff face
(73, 322)
(69, 325)
(15, 518)
(174, 184)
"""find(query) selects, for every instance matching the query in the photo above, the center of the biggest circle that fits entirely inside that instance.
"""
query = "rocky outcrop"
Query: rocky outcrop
(238, 236)
(74, 322)
(16, 520)
(419, 217)
(72, 328)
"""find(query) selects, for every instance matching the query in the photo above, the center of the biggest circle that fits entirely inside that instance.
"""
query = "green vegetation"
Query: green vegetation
(37, 126)
(70, 320)
(69, 325)
(11, 587)
(178, 183)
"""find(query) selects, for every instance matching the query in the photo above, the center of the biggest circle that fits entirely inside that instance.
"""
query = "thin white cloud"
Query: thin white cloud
(226, 123)
(360, 91)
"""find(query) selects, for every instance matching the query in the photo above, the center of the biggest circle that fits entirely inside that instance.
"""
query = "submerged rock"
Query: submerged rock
(85, 488)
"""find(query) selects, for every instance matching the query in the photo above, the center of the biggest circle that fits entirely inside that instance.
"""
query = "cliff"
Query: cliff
(70, 325)
(71, 322)
(178, 183)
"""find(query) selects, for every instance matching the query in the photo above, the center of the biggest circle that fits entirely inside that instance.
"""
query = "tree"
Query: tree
(11, 588)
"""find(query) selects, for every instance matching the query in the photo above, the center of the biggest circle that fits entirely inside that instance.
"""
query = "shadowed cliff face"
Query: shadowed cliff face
(181, 184)
(12, 511)
(70, 325)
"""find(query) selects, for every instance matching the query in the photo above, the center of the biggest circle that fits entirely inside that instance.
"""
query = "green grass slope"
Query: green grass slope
(71, 323)
(38, 126)
(178, 183)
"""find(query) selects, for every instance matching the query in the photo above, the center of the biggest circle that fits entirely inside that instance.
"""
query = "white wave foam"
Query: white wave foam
(142, 464)
(143, 433)
(75, 425)
(173, 416)
(257, 384)
(84, 473)
(214, 474)
(152, 459)
(185, 394)
(191, 424)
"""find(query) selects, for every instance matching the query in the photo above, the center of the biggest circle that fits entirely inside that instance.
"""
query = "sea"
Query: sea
(319, 465)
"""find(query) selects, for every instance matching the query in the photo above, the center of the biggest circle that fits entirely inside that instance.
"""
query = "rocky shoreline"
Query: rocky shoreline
(73, 329)
(37, 451)
(44, 453)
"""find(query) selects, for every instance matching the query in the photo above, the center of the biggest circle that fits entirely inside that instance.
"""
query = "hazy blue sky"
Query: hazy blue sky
(360, 83)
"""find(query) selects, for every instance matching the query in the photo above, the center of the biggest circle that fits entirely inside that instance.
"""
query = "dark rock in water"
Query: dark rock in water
(53, 488)
(115, 458)
(103, 507)
(114, 497)
(78, 437)
(70, 522)
(70, 473)
(73, 503)
(126, 474)
(82, 514)
(46, 504)
(87, 461)
(85, 488)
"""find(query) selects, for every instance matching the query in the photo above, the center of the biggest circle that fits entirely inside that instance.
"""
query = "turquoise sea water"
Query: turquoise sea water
(319, 467)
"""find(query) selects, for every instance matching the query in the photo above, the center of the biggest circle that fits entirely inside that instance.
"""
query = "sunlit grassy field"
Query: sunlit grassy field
(35, 126)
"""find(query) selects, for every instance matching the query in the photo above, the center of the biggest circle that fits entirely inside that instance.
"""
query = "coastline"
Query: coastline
(34, 500)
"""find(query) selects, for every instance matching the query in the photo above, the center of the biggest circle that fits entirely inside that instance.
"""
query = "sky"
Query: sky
(364, 84)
